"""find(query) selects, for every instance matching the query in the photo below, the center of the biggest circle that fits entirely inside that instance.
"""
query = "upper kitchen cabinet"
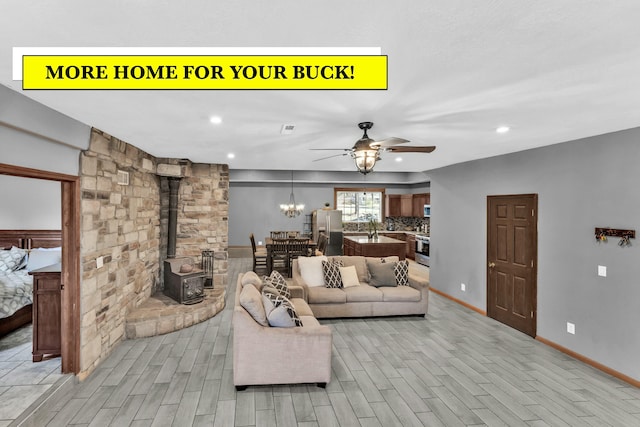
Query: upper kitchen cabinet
(392, 205)
(406, 205)
(419, 200)
(410, 205)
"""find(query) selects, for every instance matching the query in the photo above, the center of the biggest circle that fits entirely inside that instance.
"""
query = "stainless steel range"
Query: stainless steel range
(422, 249)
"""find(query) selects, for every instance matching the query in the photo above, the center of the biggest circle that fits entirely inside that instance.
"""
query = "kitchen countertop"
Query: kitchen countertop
(366, 240)
(415, 233)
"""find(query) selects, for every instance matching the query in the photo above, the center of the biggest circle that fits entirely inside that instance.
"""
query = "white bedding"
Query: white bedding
(16, 291)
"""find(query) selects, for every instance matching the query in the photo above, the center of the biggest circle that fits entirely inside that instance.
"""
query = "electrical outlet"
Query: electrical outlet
(463, 287)
(99, 262)
(602, 270)
(259, 242)
(571, 328)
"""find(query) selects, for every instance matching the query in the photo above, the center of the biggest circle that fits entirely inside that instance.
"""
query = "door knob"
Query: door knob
(492, 264)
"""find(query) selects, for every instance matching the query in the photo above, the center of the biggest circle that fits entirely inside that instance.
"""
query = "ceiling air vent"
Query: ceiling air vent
(287, 129)
(123, 178)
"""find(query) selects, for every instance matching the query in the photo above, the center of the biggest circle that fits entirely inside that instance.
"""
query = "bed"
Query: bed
(16, 295)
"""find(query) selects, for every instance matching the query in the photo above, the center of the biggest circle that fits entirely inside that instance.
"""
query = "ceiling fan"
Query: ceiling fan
(366, 151)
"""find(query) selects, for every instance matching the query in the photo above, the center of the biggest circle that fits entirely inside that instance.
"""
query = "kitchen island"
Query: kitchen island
(380, 247)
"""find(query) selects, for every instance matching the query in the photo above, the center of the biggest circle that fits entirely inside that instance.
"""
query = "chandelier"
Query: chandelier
(291, 209)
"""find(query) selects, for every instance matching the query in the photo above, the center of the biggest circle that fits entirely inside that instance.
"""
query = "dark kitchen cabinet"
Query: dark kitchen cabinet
(46, 312)
(406, 205)
(393, 205)
(411, 246)
(419, 200)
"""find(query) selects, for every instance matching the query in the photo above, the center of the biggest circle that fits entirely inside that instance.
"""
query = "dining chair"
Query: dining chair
(322, 244)
(293, 234)
(259, 255)
(279, 235)
(278, 256)
(297, 247)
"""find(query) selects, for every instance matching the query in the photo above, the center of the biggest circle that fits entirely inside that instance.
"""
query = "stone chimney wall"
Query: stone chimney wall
(122, 229)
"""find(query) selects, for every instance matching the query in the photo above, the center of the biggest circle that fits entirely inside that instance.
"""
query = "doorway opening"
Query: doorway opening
(70, 268)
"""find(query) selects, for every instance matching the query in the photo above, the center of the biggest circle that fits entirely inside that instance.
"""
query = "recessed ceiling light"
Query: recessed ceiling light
(231, 156)
(503, 129)
(216, 120)
(398, 159)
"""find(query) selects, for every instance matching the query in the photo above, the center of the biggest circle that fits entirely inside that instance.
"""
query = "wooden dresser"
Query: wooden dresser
(46, 312)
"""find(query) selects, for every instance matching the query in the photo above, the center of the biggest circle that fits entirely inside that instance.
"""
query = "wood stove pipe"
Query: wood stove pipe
(174, 185)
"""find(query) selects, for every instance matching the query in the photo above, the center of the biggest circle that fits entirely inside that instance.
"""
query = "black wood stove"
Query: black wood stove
(183, 284)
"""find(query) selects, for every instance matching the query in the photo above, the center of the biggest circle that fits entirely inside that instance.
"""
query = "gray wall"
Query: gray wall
(254, 206)
(581, 185)
(35, 136)
(29, 204)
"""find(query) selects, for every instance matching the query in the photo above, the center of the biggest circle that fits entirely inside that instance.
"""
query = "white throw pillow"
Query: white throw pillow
(39, 258)
(349, 276)
(311, 270)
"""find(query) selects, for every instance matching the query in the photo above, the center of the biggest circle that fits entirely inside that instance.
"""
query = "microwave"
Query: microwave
(427, 211)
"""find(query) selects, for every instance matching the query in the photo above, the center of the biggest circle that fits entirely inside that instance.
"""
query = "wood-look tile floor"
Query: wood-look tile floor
(452, 368)
(22, 382)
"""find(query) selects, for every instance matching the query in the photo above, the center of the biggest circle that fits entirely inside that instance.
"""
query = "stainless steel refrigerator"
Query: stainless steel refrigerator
(330, 223)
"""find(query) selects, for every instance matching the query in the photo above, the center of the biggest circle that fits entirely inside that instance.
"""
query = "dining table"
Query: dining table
(269, 244)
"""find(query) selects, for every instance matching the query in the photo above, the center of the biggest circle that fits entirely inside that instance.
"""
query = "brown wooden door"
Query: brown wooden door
(512, 248)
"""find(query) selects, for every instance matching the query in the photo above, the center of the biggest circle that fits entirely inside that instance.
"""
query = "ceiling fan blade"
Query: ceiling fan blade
(427, 149)
(330, 157)
(330, 149)
(387, 142)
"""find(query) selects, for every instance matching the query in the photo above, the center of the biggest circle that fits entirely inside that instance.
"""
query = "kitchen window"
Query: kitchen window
(360, 204)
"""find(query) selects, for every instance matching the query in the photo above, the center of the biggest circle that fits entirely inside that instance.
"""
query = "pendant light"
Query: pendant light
(291, 209)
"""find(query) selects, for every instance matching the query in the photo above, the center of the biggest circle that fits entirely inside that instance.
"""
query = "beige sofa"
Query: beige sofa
(365, 300)
(271, 355)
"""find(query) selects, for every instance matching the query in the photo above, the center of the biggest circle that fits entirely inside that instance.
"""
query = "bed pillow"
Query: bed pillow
(11, 259)
(311, 270)
(382, 274)
(39, 258)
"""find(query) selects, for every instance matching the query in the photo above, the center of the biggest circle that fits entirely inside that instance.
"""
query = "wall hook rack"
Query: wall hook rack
(603, 232)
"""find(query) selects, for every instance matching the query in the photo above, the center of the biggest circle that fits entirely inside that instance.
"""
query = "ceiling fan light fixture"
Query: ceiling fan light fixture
(365, 160)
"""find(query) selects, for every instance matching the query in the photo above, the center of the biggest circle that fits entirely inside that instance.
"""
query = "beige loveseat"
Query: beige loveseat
(365, 300)
(277, 355)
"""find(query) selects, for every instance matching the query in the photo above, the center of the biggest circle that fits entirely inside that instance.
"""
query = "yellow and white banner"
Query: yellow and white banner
(220, 72)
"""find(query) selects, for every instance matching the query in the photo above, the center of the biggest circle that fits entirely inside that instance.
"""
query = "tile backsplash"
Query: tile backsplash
(398, 224)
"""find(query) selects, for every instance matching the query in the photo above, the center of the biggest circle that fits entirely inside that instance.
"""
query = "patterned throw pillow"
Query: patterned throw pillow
(401, 271)
(331, 273)
(279, 282)
(280, 312)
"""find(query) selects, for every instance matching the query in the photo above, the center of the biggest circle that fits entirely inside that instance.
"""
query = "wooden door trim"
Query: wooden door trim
(534, 197)
(70, 204)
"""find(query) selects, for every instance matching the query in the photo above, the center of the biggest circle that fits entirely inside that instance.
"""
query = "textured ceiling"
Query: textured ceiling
(552, 70)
